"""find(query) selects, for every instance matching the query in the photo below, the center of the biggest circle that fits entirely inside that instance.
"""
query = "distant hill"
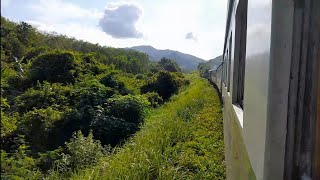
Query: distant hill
(185, 61)
(204, 68)
(215, 62)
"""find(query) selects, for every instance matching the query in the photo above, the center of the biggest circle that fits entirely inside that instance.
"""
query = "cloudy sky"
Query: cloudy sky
(191, 26)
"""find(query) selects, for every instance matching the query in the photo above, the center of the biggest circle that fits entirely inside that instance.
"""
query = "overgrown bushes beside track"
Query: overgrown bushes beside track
(183, 139)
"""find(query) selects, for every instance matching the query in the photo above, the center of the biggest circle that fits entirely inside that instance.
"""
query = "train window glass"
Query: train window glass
(222, 77)
(225, 64)
(229, 61)
(241, 38)
(225, 70)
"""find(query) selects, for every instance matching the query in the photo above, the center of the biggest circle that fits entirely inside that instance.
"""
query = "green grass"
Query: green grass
(183, 139)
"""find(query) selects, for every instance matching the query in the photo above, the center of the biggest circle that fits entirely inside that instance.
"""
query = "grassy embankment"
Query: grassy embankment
(181, 140)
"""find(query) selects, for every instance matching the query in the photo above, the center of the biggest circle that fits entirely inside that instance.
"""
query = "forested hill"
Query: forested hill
(204, 67)
(65, 102)
(185, 61)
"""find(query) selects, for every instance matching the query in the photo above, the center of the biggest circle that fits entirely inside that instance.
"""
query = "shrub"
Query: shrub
(131, 108)
(90, 92)
(54, 67)
(83, 151)
(13, 82)
(110, 81)
(111, 130)
(18, 165)
(154, 68)
(43, 96)
(154, 99)
(34, 52)
(8, 123)
(89, 65)
(165, 84)
(169, 65)
(37, 126)
(47, 159)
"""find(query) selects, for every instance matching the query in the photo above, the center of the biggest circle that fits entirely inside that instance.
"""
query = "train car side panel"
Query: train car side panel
(257, 81)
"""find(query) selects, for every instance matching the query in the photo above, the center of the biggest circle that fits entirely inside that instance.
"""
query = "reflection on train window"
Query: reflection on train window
(241, 38)
(229, 61)
(225, 69)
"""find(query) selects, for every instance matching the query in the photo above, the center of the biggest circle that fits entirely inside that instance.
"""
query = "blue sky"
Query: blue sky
(191, 26)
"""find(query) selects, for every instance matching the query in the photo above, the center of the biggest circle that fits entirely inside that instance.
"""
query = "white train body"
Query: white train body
(269, 82)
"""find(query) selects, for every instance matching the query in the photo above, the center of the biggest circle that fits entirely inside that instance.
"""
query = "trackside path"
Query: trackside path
(183, 139)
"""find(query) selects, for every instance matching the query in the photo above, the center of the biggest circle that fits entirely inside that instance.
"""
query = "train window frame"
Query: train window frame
(229, 54)
(225, 64)
(240, 53)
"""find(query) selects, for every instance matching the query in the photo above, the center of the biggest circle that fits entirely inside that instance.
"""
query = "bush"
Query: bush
(110, 81)
(154, 99)
(47, 159)
(37, 126)
(33, 53)
(111, 130)
(83, 151)
(43, 96)
(90, 92)
(89, 65)
(165, 84)
(131, 108)
(13, 82)
(169, 65)
(54, 67)
(8, 123)
(18, 165)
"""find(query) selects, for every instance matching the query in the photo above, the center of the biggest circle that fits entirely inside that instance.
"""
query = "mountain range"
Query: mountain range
(185, 61)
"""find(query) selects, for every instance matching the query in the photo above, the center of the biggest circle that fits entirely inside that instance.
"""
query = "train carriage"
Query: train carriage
(269, 82)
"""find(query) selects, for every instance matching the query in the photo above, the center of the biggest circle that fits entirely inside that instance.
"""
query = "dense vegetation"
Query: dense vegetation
(181, 140)
(65, 103)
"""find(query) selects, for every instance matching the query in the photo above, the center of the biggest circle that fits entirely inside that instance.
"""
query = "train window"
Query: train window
(241, 38)
(225, 64)
(229, 61)
(225, 69)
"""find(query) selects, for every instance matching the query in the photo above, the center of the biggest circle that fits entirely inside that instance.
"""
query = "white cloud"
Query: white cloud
(163, 23)
(191, 35)
(164, 26)
(56, 11)
(119, 20)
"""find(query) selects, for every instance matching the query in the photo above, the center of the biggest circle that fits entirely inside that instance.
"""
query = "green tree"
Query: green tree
(38, 124)
(111, 81)
(43, 96)
(57, 66)
(131, 108)
(26, 34)
(111, 130)
(165, 84)
(34, 52)
(169, 65)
